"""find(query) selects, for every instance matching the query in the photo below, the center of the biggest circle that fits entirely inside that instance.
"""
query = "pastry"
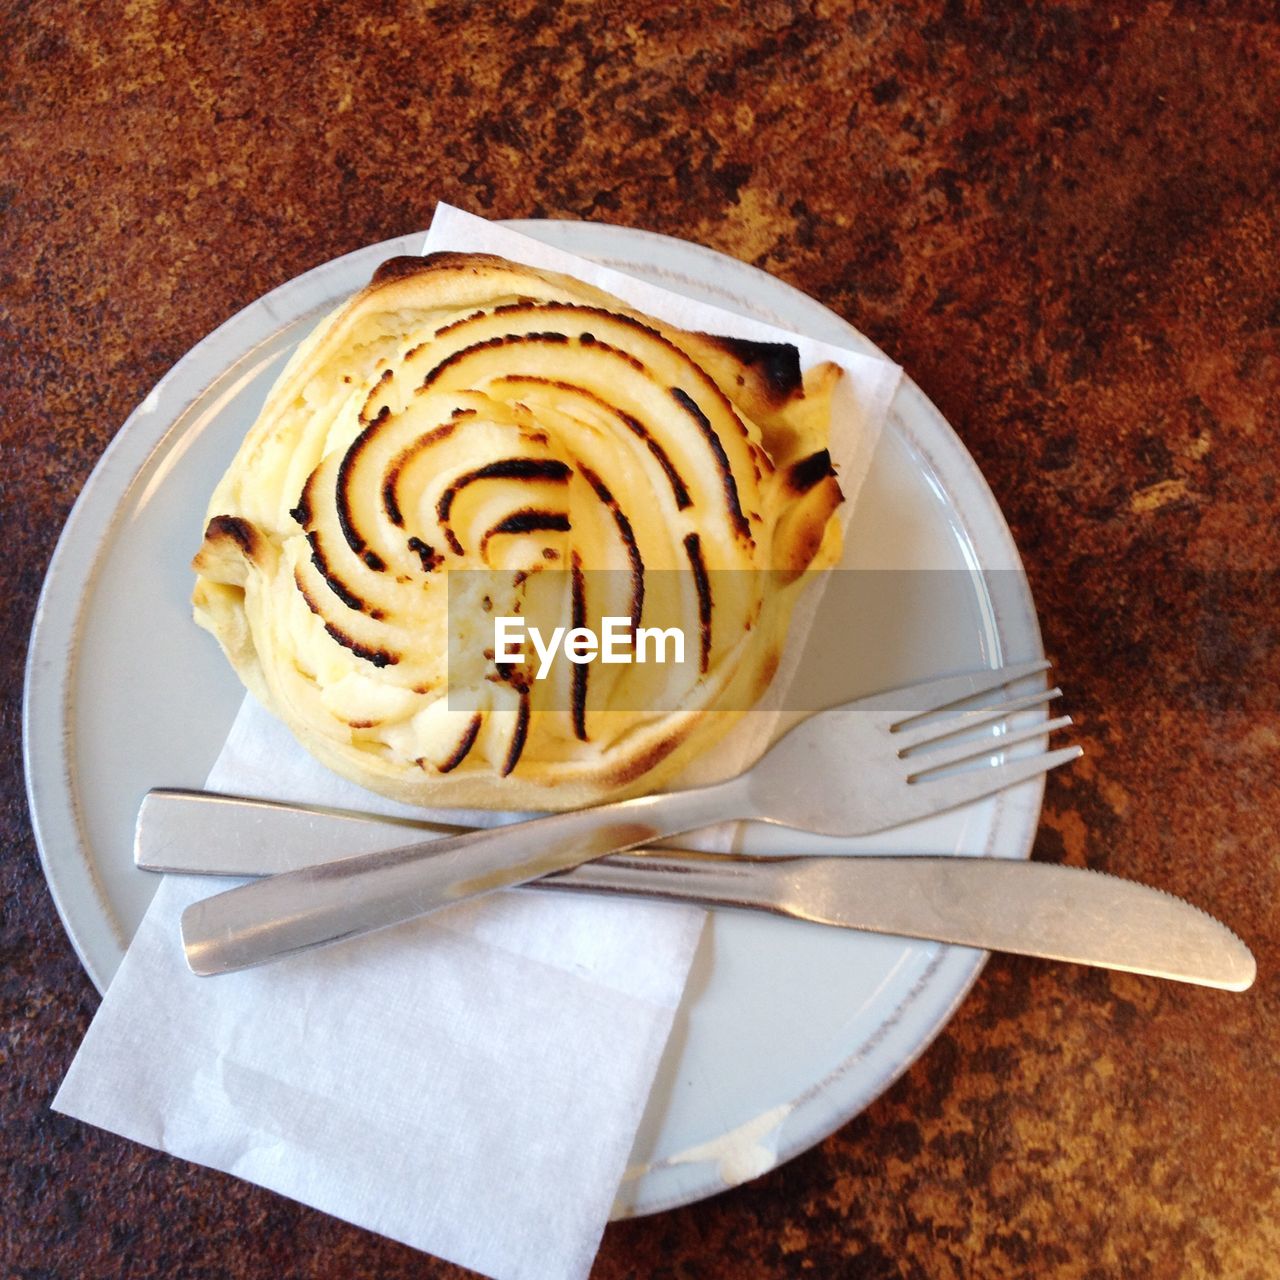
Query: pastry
(468, 440)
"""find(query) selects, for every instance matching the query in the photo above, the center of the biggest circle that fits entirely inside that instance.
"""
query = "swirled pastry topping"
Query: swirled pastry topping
(470, 438)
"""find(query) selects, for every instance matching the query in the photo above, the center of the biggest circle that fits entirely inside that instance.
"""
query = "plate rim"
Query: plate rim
(48, 744)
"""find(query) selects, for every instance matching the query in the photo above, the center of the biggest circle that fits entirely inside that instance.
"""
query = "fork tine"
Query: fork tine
(977, 749)
(974, 784)
(913, 741)
(917, 700)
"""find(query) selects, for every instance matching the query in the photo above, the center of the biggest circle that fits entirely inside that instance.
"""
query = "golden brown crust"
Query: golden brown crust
(463, 412)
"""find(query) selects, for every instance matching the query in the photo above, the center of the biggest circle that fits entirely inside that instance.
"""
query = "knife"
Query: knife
(1026, 908)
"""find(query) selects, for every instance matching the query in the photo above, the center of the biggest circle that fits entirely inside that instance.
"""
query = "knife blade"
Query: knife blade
(1026, 908)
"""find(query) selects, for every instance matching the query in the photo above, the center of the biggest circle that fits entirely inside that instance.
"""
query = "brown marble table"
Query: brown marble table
(1063, 220)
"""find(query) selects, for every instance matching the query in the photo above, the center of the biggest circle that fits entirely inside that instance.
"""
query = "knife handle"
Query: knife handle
(314, 906)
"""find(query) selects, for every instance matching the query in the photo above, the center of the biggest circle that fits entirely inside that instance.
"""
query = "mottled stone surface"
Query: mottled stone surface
(1064, 220)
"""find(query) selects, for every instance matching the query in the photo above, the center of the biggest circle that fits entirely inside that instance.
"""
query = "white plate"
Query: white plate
(786, 1031)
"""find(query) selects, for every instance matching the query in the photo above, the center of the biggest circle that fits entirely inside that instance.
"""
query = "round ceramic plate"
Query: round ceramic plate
(786, 1031)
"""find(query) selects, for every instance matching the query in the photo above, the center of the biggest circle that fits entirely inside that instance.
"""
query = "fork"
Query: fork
(904, 766)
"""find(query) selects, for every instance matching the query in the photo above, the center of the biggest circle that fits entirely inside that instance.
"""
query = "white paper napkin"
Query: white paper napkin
(469, 1084)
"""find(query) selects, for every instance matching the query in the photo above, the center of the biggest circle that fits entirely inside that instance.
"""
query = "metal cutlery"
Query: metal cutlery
(1026, 908)
(903, 763)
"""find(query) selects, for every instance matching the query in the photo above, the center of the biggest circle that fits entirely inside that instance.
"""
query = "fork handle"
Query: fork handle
(299, 910)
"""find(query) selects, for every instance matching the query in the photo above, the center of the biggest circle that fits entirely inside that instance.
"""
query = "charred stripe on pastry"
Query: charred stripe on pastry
(549, 337)
(449, 328)
(523, 469)
(708, 385)
(770, 365)
(598, 344)
(628, 538)
(237, 529)
(520, 304)
(467, 741)
(341, 497)
(487, 344)
(504, 469)
(403, 267)
(390, 503)
(576, 309)
(681, 493)
(331, 579)
(527, 520)
(776, 363)
(431, 559)
(628, 770)
(518, 735)
(690, 405)
(452, 539)
(803, 475)
(382, 381)
(693, 549)
(578, 617)
(768, 358)
(678, 489)
(378, 657)
(304, 512)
